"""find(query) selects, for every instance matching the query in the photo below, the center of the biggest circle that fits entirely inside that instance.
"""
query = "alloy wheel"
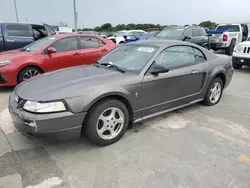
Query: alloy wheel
(215, 92)
(110, 123)
(30, 73)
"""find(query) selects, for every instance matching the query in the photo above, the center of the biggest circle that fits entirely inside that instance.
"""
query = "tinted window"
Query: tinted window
(230, 28)
(90, 42)
(176, 56)
(196, 33)
(134, 57)
(171, 32)
(199, 56)
(188, 33)
(138, 33)
(18, 30)
(65, 44)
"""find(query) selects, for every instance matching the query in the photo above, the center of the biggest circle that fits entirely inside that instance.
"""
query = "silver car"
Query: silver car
(132, 83)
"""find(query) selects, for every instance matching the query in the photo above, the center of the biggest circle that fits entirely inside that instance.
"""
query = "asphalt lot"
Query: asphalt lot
(198, 146)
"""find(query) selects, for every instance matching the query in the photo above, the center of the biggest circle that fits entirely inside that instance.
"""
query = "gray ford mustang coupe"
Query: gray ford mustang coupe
(132, 83)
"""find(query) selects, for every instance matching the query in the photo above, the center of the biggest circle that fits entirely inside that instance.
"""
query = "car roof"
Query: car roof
(162, 43)
(74, 35)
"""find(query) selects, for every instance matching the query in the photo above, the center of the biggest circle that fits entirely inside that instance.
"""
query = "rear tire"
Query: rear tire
(104, 127)
(229, 50)
(27, 73)
(214, 92)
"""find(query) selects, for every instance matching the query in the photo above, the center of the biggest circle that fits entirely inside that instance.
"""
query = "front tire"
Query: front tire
(27, 73)
(236, 65)
(214, 92)
(106, 122)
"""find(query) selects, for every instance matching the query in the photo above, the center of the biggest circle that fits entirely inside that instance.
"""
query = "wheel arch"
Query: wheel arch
(222, 76)
(118, 96)
(26, 66)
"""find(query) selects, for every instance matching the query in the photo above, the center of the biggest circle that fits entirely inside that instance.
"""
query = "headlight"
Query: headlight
(44, 107)
(3, 63)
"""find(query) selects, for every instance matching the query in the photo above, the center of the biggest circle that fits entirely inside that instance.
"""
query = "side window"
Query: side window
(138, 33)
(90, 42)
(196, 33)
(202, 32)
(130, 33)
(188, 32)
(175, 57)
(65, 44)
(199, 56)
(18, 30)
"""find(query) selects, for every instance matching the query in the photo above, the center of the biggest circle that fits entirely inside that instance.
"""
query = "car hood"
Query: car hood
(14, 55)
(68, 83)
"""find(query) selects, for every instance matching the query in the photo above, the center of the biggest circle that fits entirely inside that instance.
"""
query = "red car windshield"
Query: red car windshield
(37, 45)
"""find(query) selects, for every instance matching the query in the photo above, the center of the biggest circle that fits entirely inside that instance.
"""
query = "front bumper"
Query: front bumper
(218, 45)
(241, 60)
(53, 126)
(8, 75)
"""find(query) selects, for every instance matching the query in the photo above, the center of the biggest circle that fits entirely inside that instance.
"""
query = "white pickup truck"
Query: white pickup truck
(241, 54)
(227, 36)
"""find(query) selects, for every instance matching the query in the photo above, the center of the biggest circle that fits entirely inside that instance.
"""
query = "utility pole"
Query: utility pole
(16, 11)
(75, 15)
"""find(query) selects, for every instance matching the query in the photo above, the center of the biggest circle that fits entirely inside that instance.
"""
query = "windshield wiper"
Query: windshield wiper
(110, 65)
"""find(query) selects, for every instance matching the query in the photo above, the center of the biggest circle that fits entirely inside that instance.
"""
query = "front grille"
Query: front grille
(246, 50)
(2, 79)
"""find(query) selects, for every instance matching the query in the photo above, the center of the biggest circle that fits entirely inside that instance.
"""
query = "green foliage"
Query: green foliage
(208, 24)
(107, 27)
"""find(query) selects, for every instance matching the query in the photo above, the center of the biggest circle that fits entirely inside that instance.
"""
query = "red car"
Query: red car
(49, 54)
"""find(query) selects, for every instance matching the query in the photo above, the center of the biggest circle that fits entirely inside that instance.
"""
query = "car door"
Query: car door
(92, 49)
(181, 85)
(49, 30)
(17, 36)
(67, 54)
(188, 35)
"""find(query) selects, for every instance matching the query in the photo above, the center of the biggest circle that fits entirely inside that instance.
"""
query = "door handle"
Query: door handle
(194, 72)
(10, 40)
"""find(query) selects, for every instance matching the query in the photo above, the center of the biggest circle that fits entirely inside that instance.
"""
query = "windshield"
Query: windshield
(176, 32)
(37, 45)
(230, 28)
(129, 57)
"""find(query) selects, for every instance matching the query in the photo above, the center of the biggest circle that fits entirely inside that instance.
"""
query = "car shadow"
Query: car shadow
(244, 69)
(6, 89)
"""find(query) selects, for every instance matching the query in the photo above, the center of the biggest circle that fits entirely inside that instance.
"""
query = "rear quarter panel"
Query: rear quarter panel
(213, 67)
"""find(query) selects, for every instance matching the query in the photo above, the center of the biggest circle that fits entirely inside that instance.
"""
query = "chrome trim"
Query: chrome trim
(165, 111)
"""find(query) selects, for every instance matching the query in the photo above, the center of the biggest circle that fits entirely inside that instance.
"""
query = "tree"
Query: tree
(106, 27)
(208, 24)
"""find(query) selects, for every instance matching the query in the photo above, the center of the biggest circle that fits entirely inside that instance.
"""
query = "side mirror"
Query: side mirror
(209, 34)
(159, 69)
(51, 50)
(187, 37)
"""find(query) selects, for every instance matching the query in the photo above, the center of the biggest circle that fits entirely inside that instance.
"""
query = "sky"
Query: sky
(93, 13)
